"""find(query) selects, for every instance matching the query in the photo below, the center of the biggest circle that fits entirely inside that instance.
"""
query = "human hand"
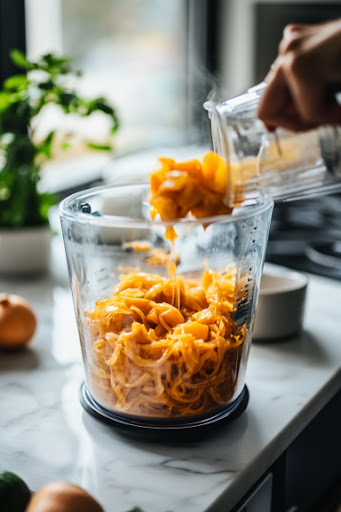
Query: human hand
(304, 78)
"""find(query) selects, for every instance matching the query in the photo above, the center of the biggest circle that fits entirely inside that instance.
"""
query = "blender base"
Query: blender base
(165, 430)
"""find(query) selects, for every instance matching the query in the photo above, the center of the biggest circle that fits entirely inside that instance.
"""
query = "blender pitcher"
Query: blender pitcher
(165, 331)
(281, 163)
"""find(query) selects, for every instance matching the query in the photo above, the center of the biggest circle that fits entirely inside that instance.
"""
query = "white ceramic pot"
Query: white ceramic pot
(25, 251)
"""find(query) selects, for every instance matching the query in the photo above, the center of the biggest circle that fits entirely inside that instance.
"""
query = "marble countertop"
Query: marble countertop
(46, 435)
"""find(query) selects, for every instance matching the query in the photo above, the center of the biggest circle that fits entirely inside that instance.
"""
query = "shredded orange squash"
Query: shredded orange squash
(167, 346)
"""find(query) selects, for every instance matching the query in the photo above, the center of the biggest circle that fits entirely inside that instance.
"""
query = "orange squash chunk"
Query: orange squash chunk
(169, 314)
(179, 189)
(198, 330)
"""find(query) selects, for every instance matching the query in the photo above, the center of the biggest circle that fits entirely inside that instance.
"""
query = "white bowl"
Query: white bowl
(281, 303)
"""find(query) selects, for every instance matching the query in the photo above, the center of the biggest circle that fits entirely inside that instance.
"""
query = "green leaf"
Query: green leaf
(46, 201)
(16, 82)
(135, 509)
(104, 107)
(114, 128)
(20, 60)
(65, 145)
(46, 86)
(16, 116)
(5, 100)
(101, 147)
(66, 98)
(45, 147)
(56, 65)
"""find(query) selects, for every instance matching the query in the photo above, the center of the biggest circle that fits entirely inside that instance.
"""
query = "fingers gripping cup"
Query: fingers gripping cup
(165, 327)
(280, 163)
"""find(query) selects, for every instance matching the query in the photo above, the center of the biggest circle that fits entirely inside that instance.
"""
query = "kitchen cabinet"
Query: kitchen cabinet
(260, 497)
(307, 476)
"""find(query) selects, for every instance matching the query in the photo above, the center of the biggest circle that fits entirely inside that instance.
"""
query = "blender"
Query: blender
(165, 328)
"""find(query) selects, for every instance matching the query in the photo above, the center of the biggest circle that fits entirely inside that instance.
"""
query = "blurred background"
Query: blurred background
(158, 62)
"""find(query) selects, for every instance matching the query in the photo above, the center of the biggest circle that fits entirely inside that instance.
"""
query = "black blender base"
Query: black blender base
(165, 430)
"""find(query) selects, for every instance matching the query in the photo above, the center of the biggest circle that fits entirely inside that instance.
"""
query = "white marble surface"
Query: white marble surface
(45, 434)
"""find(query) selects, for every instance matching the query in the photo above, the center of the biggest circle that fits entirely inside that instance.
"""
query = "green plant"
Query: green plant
(22, 98)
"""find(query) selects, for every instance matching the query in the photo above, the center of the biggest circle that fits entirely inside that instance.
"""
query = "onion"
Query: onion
(17, 321)
(63, 497)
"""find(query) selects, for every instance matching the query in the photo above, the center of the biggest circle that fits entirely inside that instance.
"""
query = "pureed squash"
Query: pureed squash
(167, 346)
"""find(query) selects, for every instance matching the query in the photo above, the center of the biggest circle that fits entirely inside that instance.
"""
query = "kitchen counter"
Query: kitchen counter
(46, 435)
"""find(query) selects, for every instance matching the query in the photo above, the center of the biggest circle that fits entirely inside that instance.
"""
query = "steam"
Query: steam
(203, 87)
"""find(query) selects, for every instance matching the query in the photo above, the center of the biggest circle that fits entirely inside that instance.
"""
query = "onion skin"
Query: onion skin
(18, 321)
(63, 497)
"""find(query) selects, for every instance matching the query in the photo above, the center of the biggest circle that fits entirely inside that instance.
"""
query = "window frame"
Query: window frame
(12, 34)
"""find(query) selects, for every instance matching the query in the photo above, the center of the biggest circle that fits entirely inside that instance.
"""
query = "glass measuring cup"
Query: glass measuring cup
(160, 343)
(282, 164)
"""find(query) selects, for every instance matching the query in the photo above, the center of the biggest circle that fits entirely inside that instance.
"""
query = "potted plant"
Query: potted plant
(24, 225)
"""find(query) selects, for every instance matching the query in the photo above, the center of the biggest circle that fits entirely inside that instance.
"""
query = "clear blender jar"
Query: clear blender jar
(283, 164)
(165, 330)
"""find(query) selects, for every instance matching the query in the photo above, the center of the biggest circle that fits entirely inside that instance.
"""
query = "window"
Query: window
(133, 51)
(155, 60)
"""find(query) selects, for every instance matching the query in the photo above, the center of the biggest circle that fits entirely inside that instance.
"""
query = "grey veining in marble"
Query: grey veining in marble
(45, 434)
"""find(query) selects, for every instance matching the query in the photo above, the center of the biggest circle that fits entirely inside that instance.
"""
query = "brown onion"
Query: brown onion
(17, 321)
(63, 497)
